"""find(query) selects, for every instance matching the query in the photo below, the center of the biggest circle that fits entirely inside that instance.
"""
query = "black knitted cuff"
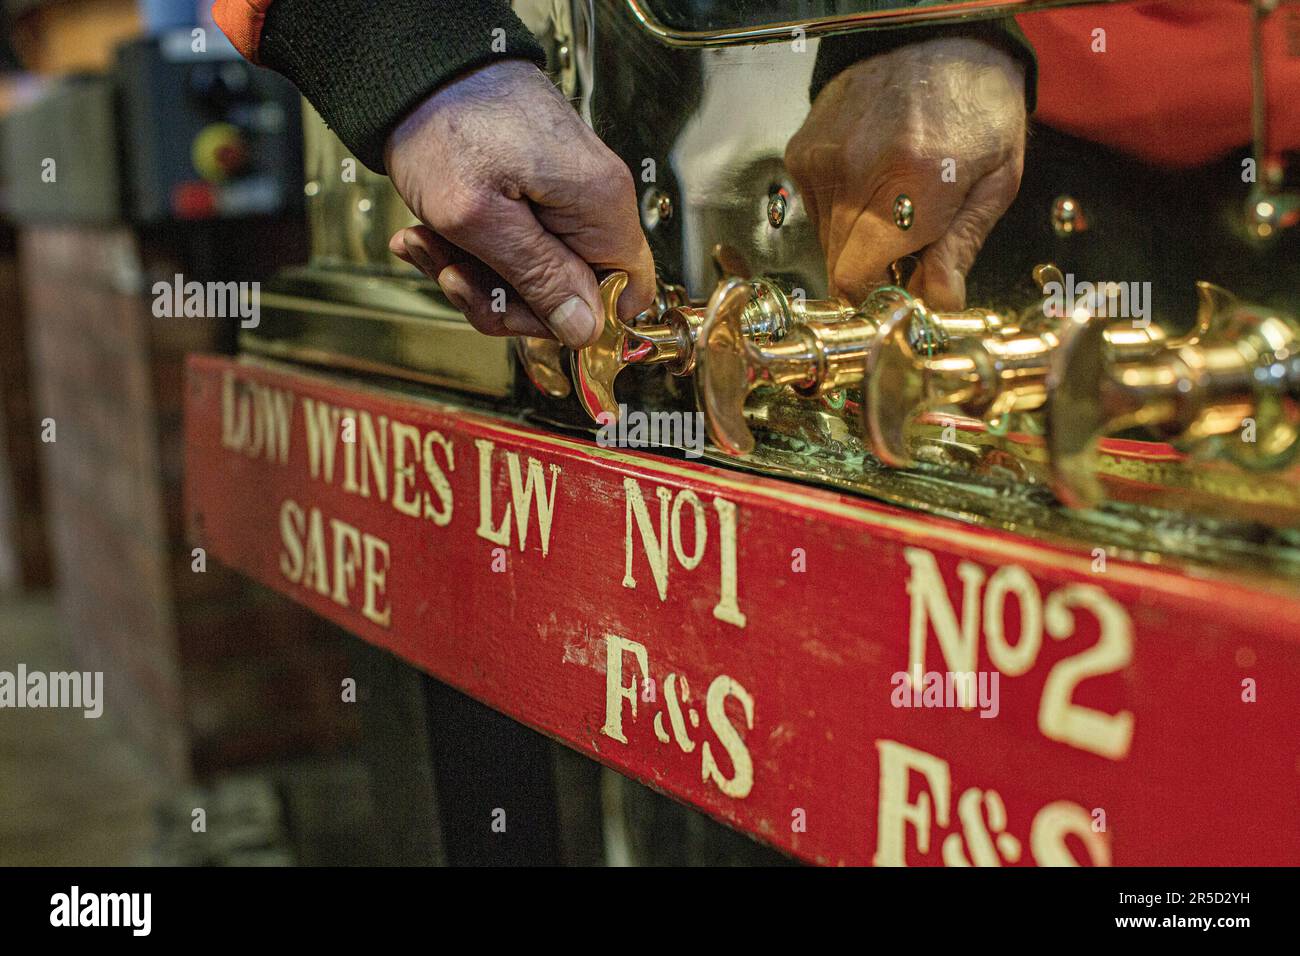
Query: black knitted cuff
(366, 65)
(838, 53)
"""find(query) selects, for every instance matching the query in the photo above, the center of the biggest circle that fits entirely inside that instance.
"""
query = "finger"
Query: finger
(425, 249)
(941, 277)
(469, 285)
(482, 297)
(551, 278)
(875, 239)
(601, 224)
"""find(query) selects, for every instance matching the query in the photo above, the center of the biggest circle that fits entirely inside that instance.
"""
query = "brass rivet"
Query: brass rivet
(904, 212)
(776, 208)
(1068, 217)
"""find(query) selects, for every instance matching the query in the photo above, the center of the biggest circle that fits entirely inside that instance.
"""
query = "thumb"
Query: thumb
(555, 283)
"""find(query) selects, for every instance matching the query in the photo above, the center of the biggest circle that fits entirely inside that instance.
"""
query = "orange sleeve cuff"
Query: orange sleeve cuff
(241, 21)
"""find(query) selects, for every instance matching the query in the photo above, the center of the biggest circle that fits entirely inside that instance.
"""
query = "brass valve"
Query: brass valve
(543, 359)
(997, 376)
(1130, 341)
(983, 379)
(817, 354)
(670, 341)
(1246, 370)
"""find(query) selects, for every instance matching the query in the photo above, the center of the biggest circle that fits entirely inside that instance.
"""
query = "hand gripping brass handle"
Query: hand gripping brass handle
(595, 367)
(765, 312)
(543, 359)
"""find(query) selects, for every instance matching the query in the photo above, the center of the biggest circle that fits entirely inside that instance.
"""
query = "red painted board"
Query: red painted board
(744, 644)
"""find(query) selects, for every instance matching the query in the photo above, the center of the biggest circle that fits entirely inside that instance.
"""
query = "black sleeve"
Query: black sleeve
(365, 65)
(838, 53)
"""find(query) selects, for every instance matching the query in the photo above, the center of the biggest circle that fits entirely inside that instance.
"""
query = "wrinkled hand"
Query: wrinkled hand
(885, 127)
(516, 193)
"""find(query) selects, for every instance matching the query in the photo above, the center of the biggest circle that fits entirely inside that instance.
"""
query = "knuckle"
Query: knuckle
(542, 281)
(610, 182)
(466, 212)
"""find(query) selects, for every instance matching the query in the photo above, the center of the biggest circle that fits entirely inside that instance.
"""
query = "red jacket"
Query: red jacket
(1173, 86)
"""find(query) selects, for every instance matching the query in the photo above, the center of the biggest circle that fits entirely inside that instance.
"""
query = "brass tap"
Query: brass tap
(825, 349)
(1246, 370)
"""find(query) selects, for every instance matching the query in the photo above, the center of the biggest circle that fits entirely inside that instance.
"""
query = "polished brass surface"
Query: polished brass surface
(644, 11)
(982, 378)
(815, 357)
(377, 324)
(1242, 379)
(991, 377)
(543, 363)
(595, 367)
(988, 409)
(670, 340)
(1135, 340)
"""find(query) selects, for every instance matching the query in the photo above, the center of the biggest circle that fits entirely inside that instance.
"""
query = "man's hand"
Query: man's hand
(906, 123)
(520, 202)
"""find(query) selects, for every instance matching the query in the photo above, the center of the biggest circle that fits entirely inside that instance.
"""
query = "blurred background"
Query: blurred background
(172, 156)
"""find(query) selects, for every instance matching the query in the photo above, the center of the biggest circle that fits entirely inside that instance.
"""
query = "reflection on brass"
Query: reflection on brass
(656, 207)
(1008, 374)
(1068, 217)
(543, 363)
(902, 269)
(729, 261)
(643, 11)
(377, 324)
(904, 211)
(670, 341)
(983, 378)
(1240, 385)
(1269, 209)
(818, 354)
(777, 203)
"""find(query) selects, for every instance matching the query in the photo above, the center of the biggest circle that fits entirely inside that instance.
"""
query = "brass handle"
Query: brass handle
(984, 378)
(824, 349)
(1133, 341)
(543, 361)
(672, 341)
(619, 345)
(1246, 366)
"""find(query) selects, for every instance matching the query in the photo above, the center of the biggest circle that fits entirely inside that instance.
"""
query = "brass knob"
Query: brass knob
(671, 340)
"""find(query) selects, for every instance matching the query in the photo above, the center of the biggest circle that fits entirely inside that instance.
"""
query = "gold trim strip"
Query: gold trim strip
(875, 19)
